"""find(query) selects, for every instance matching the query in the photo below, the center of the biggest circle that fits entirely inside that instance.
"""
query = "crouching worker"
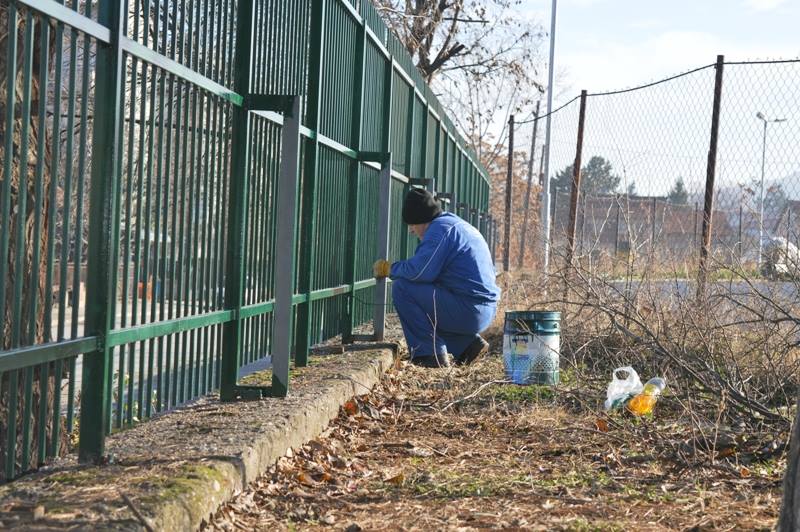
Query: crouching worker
(445, 295)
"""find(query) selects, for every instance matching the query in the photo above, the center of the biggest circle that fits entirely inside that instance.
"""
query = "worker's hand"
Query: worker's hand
(381, 268)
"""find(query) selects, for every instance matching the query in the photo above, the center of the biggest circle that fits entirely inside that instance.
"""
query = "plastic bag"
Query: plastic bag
(619, 389)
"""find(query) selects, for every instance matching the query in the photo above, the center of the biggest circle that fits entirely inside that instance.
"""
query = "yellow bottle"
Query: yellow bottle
(643, 403)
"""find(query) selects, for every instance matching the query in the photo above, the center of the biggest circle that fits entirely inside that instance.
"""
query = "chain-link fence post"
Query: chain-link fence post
(509, 179)
(526, 208)
(576, 183)
(708, 205)
(616, 236)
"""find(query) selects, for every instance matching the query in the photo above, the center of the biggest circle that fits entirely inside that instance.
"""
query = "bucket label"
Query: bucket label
(530, 358)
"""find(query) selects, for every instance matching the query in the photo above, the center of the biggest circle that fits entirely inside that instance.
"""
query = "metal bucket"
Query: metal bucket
(531, 347)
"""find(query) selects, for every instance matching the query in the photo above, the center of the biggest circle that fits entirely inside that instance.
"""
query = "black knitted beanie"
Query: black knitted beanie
(420, 207)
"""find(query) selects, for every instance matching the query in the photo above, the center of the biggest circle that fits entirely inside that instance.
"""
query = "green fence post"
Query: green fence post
(311, 170)
(103, 235)
(424, 154)
(237, 221)
(285, 234)
(385, 203)
(355, 179)
(409, 161)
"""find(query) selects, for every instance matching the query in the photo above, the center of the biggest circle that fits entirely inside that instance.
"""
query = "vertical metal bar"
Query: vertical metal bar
(311, 170)
(357, 119)
(225, 198)
(44, 29)
(22, 187)
(129, 278)
(27, 419)
(237, 223)
(708, 204)
(51, 227)
(8, 149)
(162, 216)
(409, 169)
(173, 130)
(157, 85)
(67, 208)
(82, 154)
(522, 237)
(17, 337)
(35, 260)
(197, 180)
(285, 250)
(179, 379)
(509, 192)
(384, 205)
(384, 226)
(190, 295)
(11, 416)
(576, 183)
(103, 235)
(146, 347)
(219, 224)
(616, 228)
(208, 213)
(44, 384)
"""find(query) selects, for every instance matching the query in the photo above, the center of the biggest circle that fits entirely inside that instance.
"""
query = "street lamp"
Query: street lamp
(766, 121)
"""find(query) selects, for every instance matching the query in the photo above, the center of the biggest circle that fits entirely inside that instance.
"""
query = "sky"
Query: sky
(613, 44)
(657, 135)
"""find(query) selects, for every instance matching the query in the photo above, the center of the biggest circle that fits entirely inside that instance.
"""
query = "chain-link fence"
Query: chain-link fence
(650, 155)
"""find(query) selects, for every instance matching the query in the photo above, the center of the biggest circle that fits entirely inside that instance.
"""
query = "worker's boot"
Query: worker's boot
(476, 348)
(439, 361)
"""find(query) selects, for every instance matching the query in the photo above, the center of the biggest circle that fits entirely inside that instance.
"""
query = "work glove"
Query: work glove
(381, 268)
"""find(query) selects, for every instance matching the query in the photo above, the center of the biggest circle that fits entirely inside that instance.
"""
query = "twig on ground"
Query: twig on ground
(473, 394)
(139, 515)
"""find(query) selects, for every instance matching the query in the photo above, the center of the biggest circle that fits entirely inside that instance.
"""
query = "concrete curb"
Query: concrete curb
(165, 478)
(304, 424)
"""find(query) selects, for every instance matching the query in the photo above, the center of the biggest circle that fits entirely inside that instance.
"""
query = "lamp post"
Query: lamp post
(766, 121)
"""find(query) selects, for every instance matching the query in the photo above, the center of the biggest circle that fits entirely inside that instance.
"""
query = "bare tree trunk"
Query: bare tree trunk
(33, 304)
(789, 519)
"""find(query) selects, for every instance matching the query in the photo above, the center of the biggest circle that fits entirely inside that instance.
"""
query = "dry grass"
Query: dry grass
(458, 449)
(442, 449)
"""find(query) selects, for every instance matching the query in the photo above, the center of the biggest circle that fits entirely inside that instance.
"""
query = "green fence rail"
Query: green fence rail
(191, 186)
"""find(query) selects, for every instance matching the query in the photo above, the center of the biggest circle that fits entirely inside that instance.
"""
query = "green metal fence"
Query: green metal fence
(189, 186)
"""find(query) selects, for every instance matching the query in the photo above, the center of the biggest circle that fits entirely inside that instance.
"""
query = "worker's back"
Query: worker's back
(453, 254)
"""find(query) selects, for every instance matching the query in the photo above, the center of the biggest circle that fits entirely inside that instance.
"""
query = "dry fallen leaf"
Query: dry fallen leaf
(351, 408)
(304, 479)
(726, 452)
(397, 480)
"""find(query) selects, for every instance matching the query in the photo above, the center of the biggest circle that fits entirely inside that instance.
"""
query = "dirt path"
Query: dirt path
(450, 449)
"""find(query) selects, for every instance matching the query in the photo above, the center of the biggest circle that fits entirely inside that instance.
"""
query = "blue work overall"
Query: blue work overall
(445, 295)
